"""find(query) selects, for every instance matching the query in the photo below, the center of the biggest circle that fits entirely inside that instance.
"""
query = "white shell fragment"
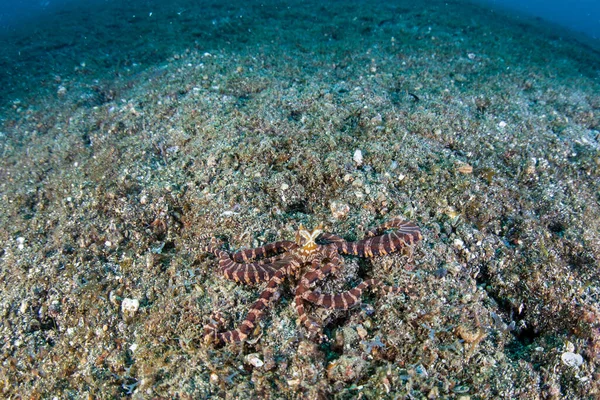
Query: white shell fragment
(339, 210)
(571, 359)
(130, 306)
(358, 157)
(254, 360)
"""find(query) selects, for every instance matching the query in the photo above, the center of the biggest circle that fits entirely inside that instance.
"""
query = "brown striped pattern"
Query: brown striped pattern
(310, 324)
(379, 243)
(254, 315)
(250, 273)
(269, 250)
(306, 262)
(315, 274)
(331, 238)
(344, 301)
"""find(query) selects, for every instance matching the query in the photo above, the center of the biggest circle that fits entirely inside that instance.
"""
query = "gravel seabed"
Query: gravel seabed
(131, 134)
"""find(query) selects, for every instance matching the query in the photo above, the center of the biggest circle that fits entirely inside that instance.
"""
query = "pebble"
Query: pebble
(339, 210)
(347, 369)
(465, 169)
(62, 91)
(358, 157)
(571, 359)
(130, 306)
(362, 332)
(254, 360)
(24, 306)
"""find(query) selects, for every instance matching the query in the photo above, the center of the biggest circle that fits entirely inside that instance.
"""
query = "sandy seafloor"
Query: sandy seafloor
(130, 134)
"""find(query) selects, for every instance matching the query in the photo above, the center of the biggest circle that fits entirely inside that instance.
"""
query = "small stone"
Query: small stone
(24, 306)
(465, 169)
(113, 298)
(339, 210)
(358, 157)
(571, 359)
(421, 371)
(130, 306)
(346, 369)
(358, 183)
(362, 332)
(254, 360)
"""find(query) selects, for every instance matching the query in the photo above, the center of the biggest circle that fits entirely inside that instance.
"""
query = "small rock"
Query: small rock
(130, 306)
(465, 169)
(421, 371)
(113, 298)
(24, 306)
(346, 369)
(459, 244)
(571, 359)
(362, 332)
(339, 210)
(307, 349)
(254, 360)
(358, 157)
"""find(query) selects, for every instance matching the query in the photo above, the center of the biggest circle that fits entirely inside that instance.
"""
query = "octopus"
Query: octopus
(309, 259)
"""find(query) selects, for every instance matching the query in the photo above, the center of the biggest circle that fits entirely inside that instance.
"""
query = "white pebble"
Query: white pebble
(571, 359)
(339, 210)
(358, 157)
(130, 306)
(24, 306)
(254, 360)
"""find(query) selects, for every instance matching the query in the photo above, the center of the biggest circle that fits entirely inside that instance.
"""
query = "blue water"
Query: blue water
(581, 16)
(42, 41)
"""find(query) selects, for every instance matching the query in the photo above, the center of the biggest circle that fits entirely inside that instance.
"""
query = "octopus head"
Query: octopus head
(306, 238)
